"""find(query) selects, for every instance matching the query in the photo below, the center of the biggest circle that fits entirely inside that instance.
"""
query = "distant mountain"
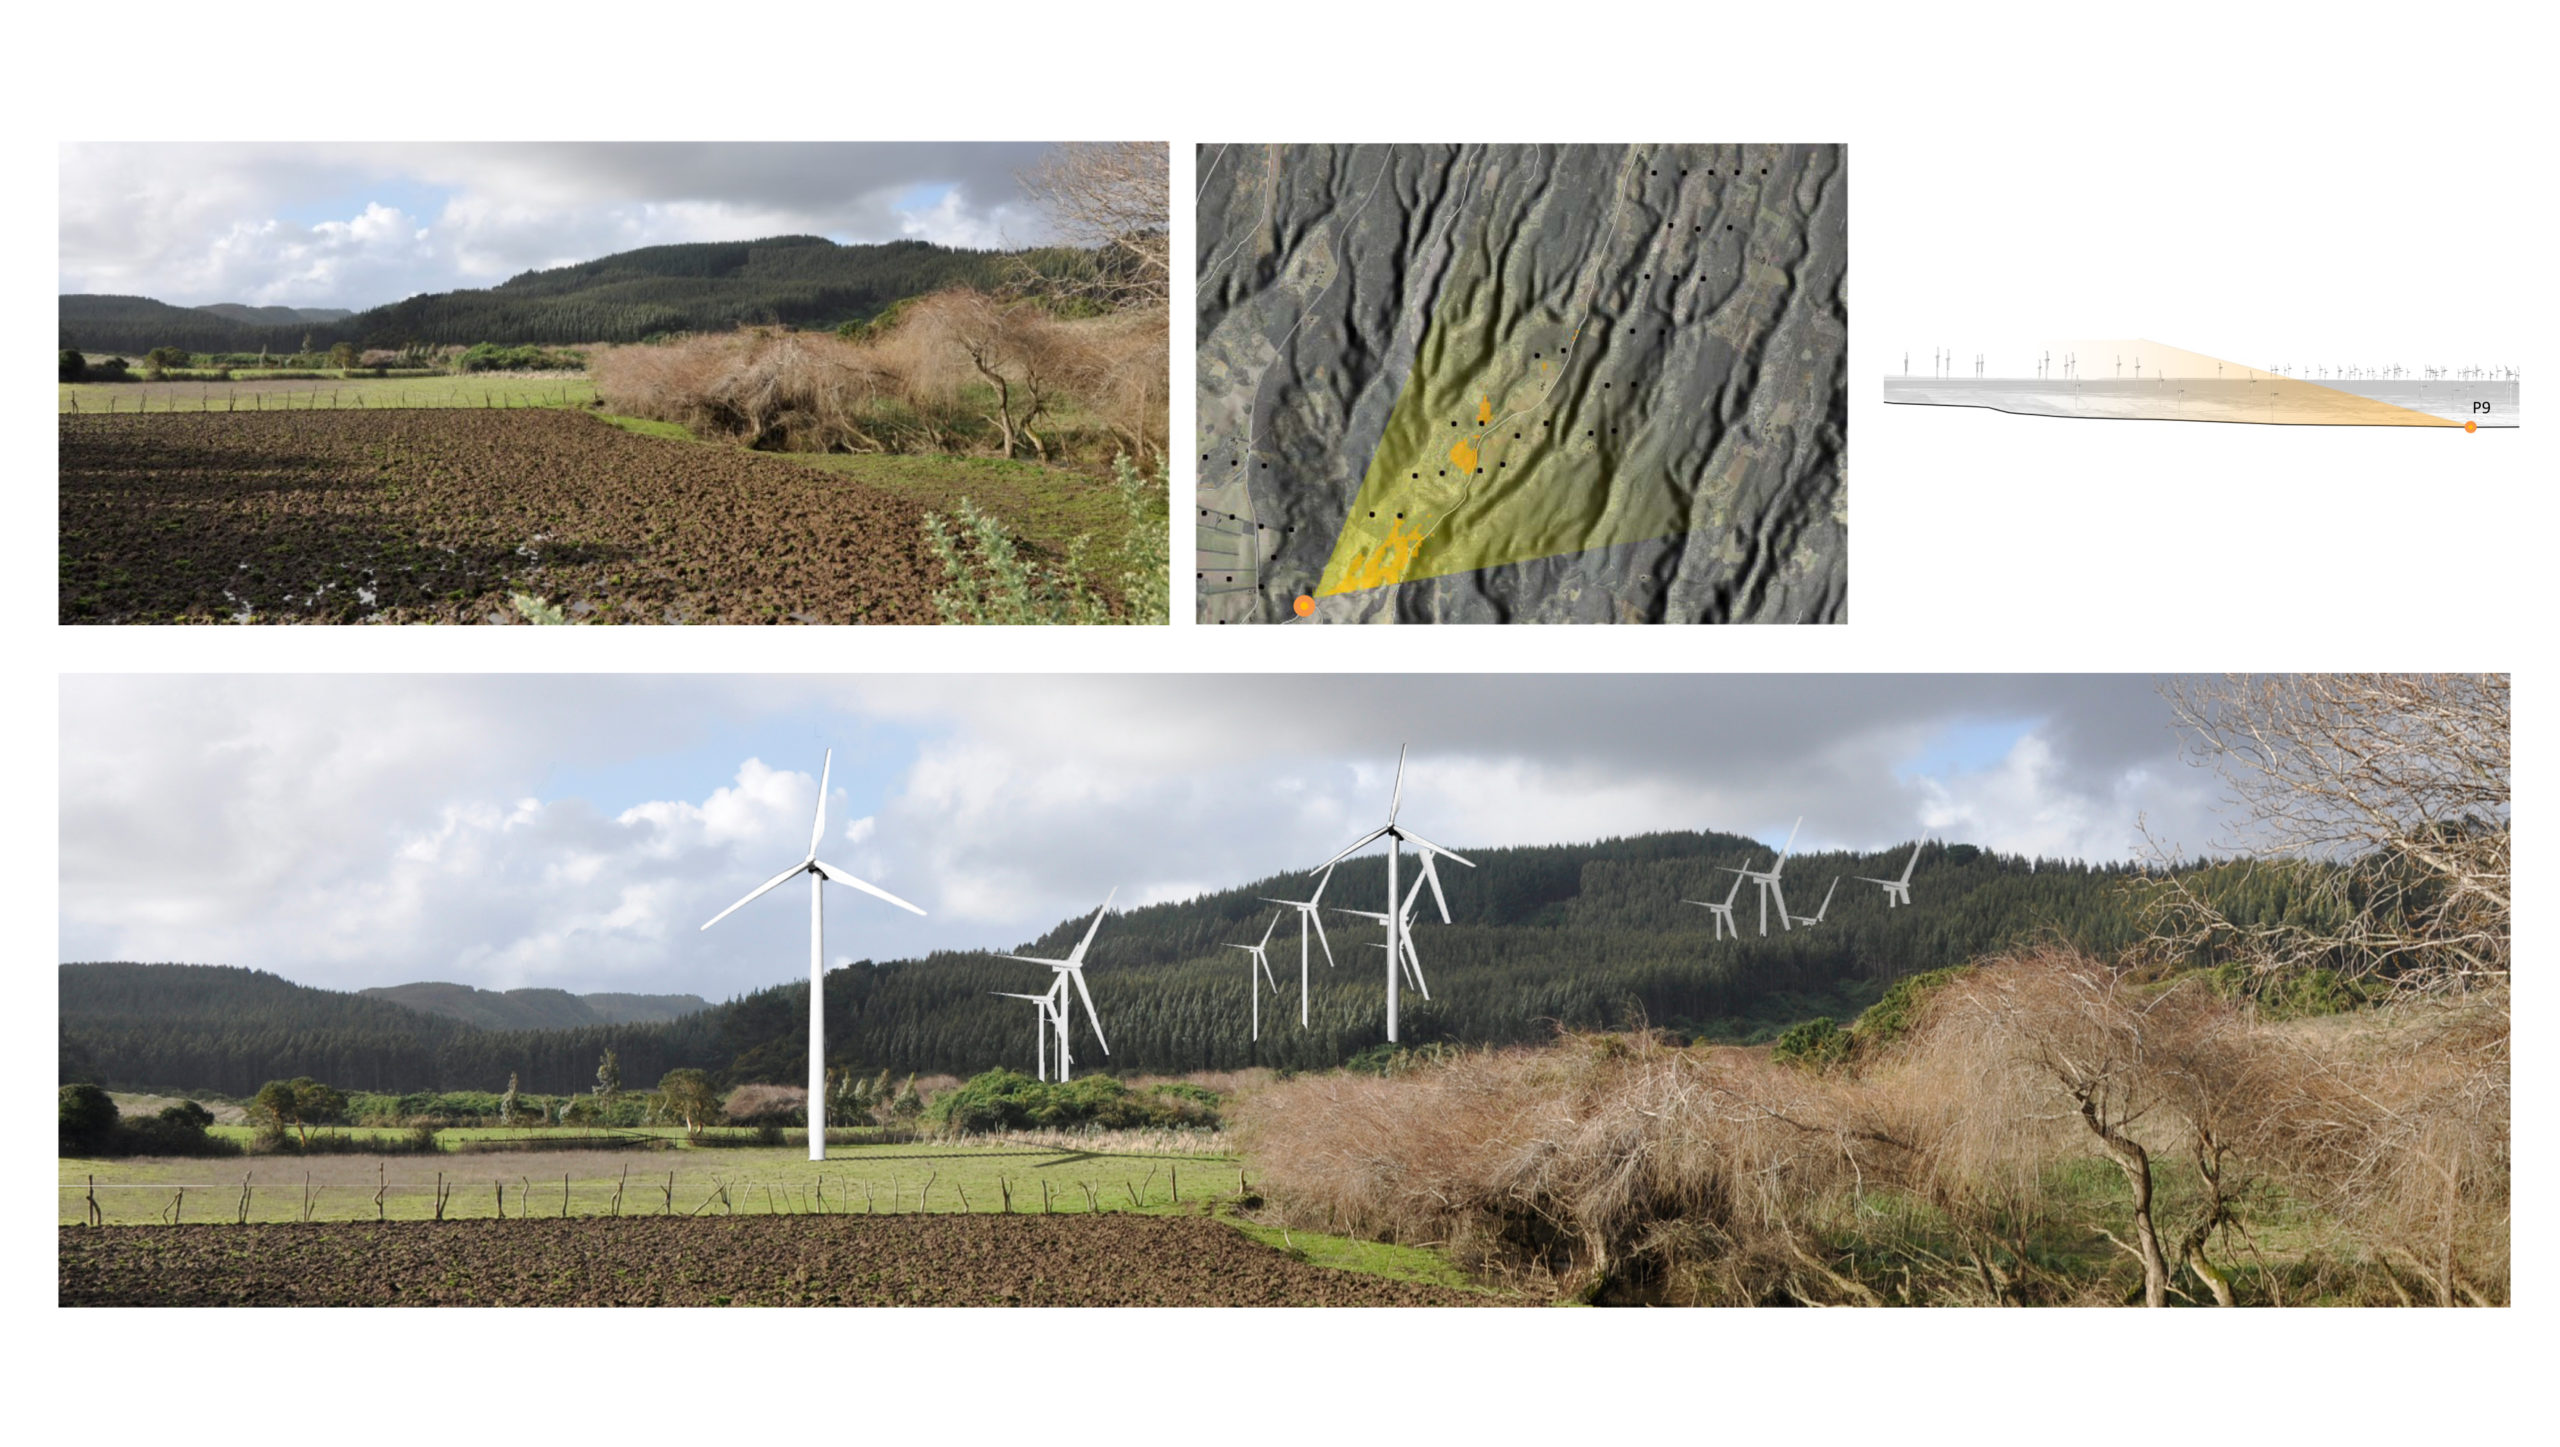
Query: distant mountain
(277, 316)
(1583, 936)
(534, 1009)
(792, 281)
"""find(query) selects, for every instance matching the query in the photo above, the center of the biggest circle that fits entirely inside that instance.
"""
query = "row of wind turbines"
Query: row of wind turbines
(1403, 963)
(1770, 885)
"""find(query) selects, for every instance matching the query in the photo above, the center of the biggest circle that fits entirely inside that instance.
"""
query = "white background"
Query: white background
(2230, 178)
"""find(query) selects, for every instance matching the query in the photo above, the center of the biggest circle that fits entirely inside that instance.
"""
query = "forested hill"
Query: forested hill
(535, 1009)
(1587, 936)
(794, 281)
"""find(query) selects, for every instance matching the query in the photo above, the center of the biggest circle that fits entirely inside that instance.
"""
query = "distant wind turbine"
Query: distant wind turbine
(1768, 882)
(1259, 971)
(819, 872)
(1072, 968)
(1040, 1034)
(1896, 891)
(1308, 918)
(1815, 918)
(1723, 912)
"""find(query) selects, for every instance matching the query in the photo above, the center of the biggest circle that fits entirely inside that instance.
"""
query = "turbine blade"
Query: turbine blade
(1397, 802)
(840, 877)
(1081, 945)
(818, 824)
(1372, 837)
(1318, 921)
(1433, 875)
(751, 894)
(1413, 838)
(1326, 879)
(1267, 929)
(1035, 960)
(1087, 996)
(1909, 865)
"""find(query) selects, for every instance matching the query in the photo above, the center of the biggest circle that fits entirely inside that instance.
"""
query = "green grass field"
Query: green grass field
(933, 1176)
(479, 389)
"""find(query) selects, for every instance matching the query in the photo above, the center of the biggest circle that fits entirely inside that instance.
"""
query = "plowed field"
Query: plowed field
(985, 1260)
(439, 516)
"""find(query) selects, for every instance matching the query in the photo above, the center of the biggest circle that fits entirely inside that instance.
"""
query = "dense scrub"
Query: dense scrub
(958, 371)
(2047, 1130)
(1006, 1100)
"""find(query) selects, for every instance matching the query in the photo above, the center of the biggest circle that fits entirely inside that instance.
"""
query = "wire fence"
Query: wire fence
(230, 398)
(1043, 1186)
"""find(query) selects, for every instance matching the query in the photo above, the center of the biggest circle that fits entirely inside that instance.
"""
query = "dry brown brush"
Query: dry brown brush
(1951, 1166)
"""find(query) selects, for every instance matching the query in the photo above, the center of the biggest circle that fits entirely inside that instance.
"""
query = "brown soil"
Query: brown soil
(1109, 1260)
(438, 516)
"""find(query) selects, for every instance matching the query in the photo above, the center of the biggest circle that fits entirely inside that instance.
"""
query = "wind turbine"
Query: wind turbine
(1307, 915)
(1816, 917)
(1404, 934)
(1072, 968)
(1262, 965)
(1040, 1033)
(819, 872)
(1396, 836)
(1896, 891)
(1768, 882)
(1723, 912)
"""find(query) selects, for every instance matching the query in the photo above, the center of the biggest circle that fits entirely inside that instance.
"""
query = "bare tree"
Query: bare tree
(2382, 799)
(1114, 198)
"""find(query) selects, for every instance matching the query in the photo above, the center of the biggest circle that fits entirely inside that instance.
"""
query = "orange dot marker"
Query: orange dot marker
(2470, 426)
(1305, 605)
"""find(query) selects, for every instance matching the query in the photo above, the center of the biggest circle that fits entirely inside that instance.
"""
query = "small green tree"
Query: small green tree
(161, 359)
(343, 356)
(609, 1075)
(909, 1103)
(507, 1102)
(88, 1119)
(297, 1104)
(187, 1114)
(74, 365)
(690, 1098)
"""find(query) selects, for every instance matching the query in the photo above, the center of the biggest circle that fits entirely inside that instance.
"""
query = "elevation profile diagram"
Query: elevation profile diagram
(2150, 381)
(1522, 383)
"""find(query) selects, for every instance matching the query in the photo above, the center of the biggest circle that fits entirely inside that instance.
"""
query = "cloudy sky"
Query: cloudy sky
(358, 225)
(574, 831)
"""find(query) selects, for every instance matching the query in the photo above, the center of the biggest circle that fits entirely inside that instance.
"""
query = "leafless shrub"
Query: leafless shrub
(2381, 801)
(783, 1104)
(1112, 197)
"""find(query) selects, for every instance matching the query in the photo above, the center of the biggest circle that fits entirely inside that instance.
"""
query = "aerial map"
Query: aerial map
(1515, 383)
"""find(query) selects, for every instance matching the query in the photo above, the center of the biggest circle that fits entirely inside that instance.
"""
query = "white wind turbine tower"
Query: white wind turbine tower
(1723, 912)
(1307, 916)
(1040, 1032)
(1072, 968)
(819, 872)
(1396, 836)
(1260, 971)
(1897, 891)
(1768, 882)
(1809, 921)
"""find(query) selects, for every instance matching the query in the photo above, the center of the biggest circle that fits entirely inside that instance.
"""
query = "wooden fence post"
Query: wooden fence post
(381, 1183)
(564, 1195)
(96, 1218)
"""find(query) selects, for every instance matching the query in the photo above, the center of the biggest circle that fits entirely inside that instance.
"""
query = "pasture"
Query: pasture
(302, 392)
(935, 1178)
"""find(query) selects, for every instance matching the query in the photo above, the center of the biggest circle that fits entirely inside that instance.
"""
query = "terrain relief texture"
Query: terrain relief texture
(1537, 384)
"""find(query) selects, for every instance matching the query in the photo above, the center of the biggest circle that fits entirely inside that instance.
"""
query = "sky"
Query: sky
(575, 831)
(358, 225)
